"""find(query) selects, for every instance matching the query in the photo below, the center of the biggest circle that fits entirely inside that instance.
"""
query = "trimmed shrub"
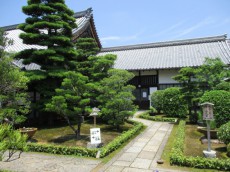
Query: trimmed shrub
(221, 101)
(174, 105)
(62, 150)
(223, 133)
(157, 98)
(159, 119)
(177, 156)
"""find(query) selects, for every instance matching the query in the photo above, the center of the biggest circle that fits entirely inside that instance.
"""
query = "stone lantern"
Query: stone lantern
(94, 114)
(208, 116)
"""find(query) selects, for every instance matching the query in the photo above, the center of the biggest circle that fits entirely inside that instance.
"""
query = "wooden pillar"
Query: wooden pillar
(157, 79)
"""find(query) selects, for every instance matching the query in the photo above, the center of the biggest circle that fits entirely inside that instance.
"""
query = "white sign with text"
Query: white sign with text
(95, 135)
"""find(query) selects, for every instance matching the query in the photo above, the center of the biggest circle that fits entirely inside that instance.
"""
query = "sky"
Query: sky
(130, 22)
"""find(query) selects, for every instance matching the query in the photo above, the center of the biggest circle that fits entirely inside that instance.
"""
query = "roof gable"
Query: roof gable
(84, 21)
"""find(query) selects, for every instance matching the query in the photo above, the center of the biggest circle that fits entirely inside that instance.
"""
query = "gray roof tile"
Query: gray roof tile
(171, 54)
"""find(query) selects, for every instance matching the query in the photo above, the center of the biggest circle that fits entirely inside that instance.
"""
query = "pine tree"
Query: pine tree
(49, 25)
(116, 97)
(94, 67)
(71, 100)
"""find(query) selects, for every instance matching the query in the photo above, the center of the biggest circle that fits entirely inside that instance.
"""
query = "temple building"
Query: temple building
(153, 64)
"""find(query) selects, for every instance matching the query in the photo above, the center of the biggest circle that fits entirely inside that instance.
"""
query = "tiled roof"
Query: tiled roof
(82, 20)
(170, 54)
(31, 66)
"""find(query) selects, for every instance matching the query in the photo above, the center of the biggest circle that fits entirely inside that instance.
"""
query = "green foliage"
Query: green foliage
(177, 155)
(94, 67)
(153, 118)
(62, 150)
(221, 101)
(223, 133)
(123, 138)
(49, 24)
(223, 86)
(14, 103)
(11, 140)
(212, 72)
(157, 98)
(189, 88)
(174, 105)
(116, 97)
(71, 99)
(152, 110)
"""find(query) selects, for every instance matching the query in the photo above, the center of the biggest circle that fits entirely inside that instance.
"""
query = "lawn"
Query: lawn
(193, 147)
(63, 135)
(193, 141)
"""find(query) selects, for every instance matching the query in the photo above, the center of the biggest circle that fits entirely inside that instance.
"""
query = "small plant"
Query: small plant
(11, 140)
(152, 111)
(224, 133)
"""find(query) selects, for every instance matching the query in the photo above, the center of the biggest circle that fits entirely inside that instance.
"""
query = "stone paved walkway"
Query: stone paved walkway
(39, 162)
(140, 155)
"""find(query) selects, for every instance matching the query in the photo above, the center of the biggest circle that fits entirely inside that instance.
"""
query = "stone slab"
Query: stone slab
(127, 156)
(147, 155)
(122, 163)
(141, 163)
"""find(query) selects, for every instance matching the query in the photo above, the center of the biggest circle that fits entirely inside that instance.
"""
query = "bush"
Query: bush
(11, 140)
(223, 133)
(62, 150)
(177, 155)
(157, 100)
(223, 86)
(221, 101)
(174, 105)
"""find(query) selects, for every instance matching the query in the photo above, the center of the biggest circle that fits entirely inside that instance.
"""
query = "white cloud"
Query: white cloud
(169, 30)
(105, 40)
(200, 24)
(110, 38)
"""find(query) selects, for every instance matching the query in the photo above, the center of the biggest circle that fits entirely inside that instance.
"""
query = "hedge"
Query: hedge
(85, 152)
(177, 156)
(118, 141)
(159, 119)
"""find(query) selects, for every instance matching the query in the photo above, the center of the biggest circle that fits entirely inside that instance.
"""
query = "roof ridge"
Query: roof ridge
(87, 13)
(167, 43)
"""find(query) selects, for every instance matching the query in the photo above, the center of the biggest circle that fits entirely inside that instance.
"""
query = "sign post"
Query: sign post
(208, 116)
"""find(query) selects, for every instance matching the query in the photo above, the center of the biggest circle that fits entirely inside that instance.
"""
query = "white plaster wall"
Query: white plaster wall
(165, 76)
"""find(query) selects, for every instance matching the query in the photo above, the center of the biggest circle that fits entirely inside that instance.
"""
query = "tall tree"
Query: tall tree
(49, 26)
(116, 97)
(71, 100)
